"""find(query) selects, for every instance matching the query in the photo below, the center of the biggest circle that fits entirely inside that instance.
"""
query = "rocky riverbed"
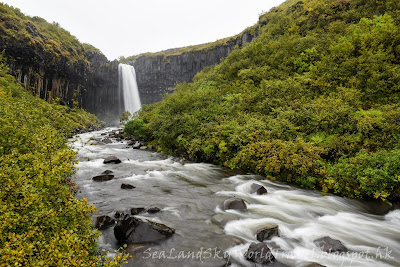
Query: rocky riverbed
(172, 212)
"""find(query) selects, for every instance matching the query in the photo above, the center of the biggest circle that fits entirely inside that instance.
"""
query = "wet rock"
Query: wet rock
(127, 186)
(153, 210)
(150, 147)
(103, 177)
(112, 159)
(259, 253)
(396, 205)
(143, 148)
(132, 230)
(137, 145)
(257, 188)
(119, 214)
(106, 141)
(136, 211)
(330, 245)
(267, 233)
(104, 222)
(103, 134)
(235, 204)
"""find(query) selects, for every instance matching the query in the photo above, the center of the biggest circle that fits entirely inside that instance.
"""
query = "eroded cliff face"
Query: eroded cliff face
(158, 74)
(101, 95)
(92, 82)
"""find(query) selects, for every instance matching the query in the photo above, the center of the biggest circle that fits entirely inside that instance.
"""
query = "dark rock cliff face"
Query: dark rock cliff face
(158, 74)
(101, 95)
(92, 82)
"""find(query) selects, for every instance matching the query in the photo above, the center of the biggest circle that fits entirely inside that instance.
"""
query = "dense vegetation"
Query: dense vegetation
(313, 100)
(42, 223)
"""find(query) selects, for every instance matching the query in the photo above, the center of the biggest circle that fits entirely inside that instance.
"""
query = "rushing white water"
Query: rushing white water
(191, 197)
(128, 85)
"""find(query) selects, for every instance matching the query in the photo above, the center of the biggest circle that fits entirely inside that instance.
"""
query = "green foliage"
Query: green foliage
(42, 223)
(41, 35)
(316, 94)
(135, 128)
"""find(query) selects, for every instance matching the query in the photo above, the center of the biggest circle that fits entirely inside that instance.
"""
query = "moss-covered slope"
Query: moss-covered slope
(313, 100)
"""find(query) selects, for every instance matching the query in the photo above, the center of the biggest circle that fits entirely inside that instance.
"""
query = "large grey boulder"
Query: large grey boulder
(330, 245)
(132, 230)
(235, 204)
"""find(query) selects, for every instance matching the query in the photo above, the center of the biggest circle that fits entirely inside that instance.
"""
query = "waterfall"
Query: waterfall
(129, 88)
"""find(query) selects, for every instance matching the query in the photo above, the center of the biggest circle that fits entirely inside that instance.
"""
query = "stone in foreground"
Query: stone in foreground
(132, 230)
(267, 233)
(235, 204)
(103, 177)
(330, 245)
(257, 188)
(104, 222)
(259, 253)
(127, 186)
(112, 159)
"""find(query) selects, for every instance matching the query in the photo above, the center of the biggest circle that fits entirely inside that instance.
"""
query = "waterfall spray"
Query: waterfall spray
(128, 85)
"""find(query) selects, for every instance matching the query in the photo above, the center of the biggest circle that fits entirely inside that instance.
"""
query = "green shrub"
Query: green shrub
(135, 128)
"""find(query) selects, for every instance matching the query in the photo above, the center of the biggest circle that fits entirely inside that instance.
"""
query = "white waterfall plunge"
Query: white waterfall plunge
(128, 85)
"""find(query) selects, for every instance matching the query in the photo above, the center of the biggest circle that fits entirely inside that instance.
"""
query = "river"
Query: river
(191, 196)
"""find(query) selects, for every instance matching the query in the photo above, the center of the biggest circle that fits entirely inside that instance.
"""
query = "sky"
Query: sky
(126, 28)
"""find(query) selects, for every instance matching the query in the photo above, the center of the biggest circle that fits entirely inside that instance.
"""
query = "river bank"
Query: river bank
(191, 199)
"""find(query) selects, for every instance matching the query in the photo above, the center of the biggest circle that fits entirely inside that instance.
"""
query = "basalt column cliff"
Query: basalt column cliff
(158, 73)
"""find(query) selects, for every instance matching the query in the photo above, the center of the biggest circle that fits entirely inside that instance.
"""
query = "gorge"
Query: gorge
(283, 139)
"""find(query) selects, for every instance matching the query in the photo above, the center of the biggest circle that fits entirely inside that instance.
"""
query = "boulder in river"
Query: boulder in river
(132, 230)
(104, 222)
(330, 245)
(259, 253)
(127, 186)
(112, 159)
(257, 188)
(267, 233)
(143, 147)
(153, 210)
(235, 204)
(137, 145)
(107, 172)
(136, 211)
(103, 177)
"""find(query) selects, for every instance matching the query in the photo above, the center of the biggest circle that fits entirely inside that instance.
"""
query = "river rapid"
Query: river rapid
(191, 196)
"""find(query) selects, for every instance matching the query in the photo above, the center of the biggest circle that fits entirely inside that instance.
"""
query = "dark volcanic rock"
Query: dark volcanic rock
(153, 210)
(267, 233)
(107, 172)
(103, 177)
(132, 230)
(118, 214)
(137, 145)
(330, 245)
(136, 211)
(259, 253)
(257, 188)
(112, 159)
(104, 222)
(235, 204)
(127, 186)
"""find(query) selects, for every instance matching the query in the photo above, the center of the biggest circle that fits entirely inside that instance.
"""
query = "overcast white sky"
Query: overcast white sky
(126, 28)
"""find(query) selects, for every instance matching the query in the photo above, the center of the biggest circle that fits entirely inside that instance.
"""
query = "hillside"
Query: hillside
(314, 100)
(52, 64)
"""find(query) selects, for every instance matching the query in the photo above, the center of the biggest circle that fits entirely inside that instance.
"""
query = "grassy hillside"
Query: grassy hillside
(42, 223)
(313, 100)
(50, 38)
